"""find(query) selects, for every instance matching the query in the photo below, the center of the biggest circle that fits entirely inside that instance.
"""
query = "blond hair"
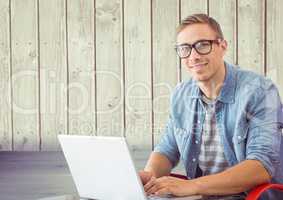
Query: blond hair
(201, 19)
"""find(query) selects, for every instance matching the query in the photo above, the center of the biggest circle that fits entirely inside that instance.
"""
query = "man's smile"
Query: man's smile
(198, 66)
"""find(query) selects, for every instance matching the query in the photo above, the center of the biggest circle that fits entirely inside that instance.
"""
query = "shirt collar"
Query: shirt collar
(227, 93)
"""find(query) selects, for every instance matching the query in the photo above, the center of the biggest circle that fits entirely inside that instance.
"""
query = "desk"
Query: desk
(41, 175)
(71, 197)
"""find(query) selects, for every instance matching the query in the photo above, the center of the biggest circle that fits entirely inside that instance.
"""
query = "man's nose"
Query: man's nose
(194, 55)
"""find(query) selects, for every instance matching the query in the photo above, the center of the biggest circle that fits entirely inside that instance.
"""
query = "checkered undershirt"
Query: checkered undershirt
(211, 159)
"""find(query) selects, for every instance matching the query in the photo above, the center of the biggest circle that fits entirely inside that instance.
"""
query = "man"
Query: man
(225, 123)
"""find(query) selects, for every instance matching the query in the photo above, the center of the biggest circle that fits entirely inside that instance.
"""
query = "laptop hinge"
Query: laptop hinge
(87, 198)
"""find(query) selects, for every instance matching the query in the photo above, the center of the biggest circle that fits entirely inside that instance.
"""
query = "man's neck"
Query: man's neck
(211, 89)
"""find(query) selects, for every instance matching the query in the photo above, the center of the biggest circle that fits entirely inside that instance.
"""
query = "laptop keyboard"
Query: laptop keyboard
(170, 197)
(157, 198)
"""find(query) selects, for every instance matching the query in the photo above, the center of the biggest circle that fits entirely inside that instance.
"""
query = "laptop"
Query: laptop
(102, 168)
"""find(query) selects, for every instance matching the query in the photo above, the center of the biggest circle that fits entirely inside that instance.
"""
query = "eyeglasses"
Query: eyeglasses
(202, 47)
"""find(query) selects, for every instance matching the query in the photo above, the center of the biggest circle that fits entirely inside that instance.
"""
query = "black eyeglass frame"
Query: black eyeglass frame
(193, 46)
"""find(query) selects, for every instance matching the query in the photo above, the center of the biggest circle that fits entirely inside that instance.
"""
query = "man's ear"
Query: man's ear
(224, 45)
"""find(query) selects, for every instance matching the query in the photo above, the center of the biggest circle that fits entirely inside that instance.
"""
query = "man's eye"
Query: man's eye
(184, 49)
(203, 44)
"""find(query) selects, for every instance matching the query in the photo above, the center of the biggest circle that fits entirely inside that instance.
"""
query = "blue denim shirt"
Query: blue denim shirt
(248, 117)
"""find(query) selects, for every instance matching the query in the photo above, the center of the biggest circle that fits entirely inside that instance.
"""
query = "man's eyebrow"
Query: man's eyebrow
(189, 44)
(183, 44)
(186, 43)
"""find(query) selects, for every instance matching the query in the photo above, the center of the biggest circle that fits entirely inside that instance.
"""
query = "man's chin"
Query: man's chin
(200, 78)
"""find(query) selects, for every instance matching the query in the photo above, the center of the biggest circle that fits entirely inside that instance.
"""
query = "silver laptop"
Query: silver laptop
(102, 168)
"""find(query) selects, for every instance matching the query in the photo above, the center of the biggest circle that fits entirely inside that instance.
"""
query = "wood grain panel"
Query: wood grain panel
(25, 85)
(109, 72)
(274, 66)
(53, 72)
(5, 87)
(137, 24)
(81, 49)
(251, 35)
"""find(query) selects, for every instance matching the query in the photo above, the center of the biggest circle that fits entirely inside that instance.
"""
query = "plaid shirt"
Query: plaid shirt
(211, 158)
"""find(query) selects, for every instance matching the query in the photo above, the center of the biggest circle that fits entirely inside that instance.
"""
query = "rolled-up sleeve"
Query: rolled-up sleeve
(264, 131)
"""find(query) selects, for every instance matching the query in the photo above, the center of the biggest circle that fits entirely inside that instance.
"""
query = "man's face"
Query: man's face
(203, 68)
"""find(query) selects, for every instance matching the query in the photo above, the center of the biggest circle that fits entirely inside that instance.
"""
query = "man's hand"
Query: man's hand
(145, 176)
(170, 185)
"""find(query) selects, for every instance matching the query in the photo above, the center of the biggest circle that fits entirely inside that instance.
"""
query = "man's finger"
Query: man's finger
(163, 191)
(157, 185)
(149, 184)
(145, 176)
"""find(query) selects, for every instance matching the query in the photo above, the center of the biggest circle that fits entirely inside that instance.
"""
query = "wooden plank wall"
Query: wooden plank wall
(107, 67)
(53, 71)
(25, 74)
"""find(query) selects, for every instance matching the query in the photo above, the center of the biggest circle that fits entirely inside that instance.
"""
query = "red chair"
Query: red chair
(254, 194)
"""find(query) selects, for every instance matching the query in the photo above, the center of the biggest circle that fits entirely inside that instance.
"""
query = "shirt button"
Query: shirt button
(177, 130)
(239, 137)
(198, 122)
(196, 142)
(194, 160)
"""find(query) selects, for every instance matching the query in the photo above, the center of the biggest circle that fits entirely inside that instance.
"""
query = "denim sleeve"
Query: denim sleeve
(264, 131)
(168, 146)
